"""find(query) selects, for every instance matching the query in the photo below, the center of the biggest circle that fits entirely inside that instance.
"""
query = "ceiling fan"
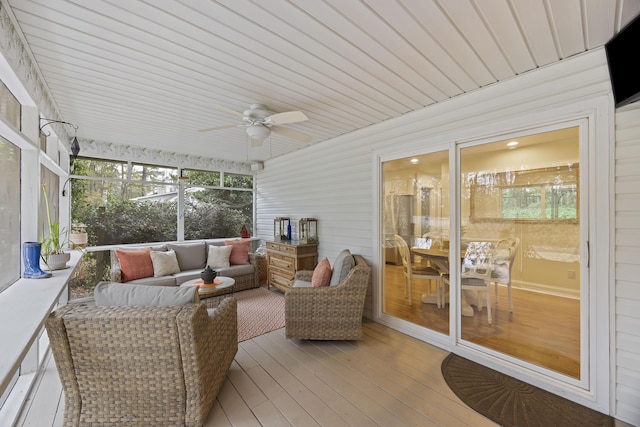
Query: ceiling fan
(260, 122)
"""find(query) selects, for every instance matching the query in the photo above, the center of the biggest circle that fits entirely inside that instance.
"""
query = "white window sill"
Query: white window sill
(24, 306)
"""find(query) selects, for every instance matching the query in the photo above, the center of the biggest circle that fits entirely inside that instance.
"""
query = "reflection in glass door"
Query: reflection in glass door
(415, 222)
(520, 248)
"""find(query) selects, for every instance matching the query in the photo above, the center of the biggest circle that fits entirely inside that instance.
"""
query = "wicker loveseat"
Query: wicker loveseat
(142, 365)
(328, 312)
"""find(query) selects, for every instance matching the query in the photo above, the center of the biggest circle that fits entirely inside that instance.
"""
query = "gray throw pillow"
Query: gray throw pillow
(122, 294)
(341, 267)
(191, 256)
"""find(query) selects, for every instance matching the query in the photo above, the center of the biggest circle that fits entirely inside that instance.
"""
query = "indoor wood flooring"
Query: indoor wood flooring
(386, 379)
(543, 329)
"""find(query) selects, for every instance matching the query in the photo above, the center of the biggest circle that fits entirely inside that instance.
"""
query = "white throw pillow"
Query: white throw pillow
(164, 263)
(219, 256)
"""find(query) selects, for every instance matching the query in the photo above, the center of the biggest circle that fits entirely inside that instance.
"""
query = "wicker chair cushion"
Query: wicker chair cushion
(239, 252)
(190, 256)
(321, 274)
(135, 264)
(301, 284)
(122, 294)
(164, 263)
(341, 267)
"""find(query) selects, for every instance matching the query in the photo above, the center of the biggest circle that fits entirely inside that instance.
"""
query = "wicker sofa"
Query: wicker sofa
(142, 365)
(192, 259)
(330, 312)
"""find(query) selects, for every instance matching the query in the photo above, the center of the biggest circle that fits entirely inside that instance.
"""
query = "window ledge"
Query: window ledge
(24, 306)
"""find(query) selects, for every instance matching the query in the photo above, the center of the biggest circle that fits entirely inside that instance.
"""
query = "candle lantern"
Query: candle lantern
(308, 230)
(281, 228)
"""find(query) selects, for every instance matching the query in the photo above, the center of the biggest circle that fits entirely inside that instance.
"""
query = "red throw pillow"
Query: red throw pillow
(135, 264)
(239, 251)
(321, 274)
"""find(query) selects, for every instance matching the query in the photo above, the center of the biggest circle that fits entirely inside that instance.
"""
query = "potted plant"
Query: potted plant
(53, 245)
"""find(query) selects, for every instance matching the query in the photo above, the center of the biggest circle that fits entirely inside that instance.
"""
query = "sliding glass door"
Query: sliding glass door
(516, 247)
(520, 248)
(415, 229)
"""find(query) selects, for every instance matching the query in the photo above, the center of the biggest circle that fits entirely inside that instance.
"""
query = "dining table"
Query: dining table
(438, 256)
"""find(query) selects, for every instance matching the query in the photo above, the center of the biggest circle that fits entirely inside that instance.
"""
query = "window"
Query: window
(123, 202)
(536, 194)
(10, 107)
(9, 213)
(212, 211)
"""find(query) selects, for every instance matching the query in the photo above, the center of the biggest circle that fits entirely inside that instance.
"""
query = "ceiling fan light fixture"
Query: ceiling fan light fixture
(258, 132)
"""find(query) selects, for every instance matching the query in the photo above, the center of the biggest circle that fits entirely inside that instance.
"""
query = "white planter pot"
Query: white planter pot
(78, 239)
(58, 261)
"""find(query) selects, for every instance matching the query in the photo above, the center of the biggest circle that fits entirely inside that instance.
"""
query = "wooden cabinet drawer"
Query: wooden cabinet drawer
(273, 246)
(287, 249)
(277, 278)
(282, 262)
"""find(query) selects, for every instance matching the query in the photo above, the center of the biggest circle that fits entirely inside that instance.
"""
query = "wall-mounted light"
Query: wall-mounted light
(75, 146)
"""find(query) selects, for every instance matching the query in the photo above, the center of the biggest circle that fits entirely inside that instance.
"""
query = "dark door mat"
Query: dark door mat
(511, 402)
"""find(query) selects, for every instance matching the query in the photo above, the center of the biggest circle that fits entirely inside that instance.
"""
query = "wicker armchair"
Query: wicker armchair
(142, 366)
(330, 312)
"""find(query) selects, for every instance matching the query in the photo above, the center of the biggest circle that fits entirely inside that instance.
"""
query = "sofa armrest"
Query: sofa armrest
(213, 343)
(115, 274)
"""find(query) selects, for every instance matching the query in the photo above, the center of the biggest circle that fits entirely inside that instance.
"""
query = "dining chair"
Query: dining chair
(411, 270)
(506, 250)
(477, 268)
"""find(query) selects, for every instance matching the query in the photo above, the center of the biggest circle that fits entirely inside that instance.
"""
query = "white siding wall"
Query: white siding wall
(330, 182)
(627, 266)
(335, 181)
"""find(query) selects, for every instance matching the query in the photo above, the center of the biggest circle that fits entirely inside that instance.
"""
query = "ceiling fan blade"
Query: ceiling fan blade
(217, 127)
(228, 110)
(293, 134)
(286, 117)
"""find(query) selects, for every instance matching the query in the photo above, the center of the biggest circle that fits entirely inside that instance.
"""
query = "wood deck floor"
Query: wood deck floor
(386, 379)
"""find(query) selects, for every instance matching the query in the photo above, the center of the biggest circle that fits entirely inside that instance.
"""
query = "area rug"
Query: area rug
(259, 311)
(511, 402)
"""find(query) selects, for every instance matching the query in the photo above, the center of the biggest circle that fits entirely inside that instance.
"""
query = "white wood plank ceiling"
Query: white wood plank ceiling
(152, 73)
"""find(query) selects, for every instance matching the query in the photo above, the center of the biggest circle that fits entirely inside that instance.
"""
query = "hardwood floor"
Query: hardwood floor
(543, 329)
(386, 379)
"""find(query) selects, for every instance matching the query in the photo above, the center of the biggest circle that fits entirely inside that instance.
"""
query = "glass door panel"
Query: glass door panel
(415, 222)
(520, 242)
